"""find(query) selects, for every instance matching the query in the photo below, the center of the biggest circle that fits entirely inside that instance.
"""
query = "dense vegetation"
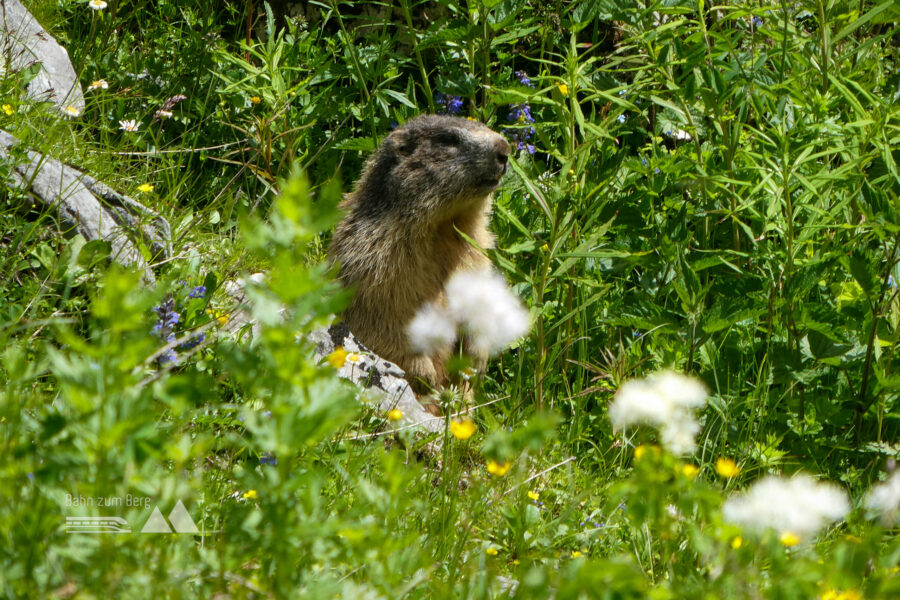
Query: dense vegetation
(711, 189)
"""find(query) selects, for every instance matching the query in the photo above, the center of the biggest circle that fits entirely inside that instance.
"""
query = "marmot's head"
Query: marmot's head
(434, 166)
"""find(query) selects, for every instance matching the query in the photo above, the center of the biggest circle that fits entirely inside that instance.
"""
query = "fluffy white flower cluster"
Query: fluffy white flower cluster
(885, 498)
(798, 505)
(664, 400)
(481, 305)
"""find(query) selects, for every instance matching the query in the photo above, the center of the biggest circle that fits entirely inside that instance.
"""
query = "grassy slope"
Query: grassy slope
(760, 255)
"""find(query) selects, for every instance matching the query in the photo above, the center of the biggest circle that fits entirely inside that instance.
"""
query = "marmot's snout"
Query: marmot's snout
(501, 147)
(497, 159)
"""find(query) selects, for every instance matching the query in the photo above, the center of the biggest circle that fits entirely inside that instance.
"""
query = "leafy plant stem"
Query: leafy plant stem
(423, 72)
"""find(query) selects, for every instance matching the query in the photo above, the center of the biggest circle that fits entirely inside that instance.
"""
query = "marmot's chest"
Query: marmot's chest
(434, 257)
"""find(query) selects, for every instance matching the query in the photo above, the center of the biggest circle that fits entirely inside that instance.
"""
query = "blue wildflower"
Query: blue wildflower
(757, 21)
(198, 292)
(450, 104)
(169, 356)
(164, 328)
(621, 118)
(529, 148)
(193, 342)
(521, 114)
(523, 78)
(168, 316)
(267, 458)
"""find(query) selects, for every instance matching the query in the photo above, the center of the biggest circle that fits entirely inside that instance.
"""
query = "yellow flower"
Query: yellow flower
(516, 562)
(563, 89)
(534, 495)
(218, 315)
(727, 468)
(789, 539)
(498, 469)
(690, 470)
(641, 451)
(462, 430)
(338, 357)
(737, 542)
(255, 99)
(545, 248)
(395, 414)
(576, 553)
(250, 494)
(492, 551)
(833, 594)
(145, 187)
(8, 109)
(472, 119)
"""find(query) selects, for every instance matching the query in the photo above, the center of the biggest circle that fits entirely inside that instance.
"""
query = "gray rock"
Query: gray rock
(87, 206)
(23, 42)
(372, 371)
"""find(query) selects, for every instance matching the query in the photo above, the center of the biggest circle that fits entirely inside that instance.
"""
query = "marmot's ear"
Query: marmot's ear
(401, 143)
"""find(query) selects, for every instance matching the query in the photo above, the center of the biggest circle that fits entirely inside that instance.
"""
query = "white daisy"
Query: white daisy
(129, 125)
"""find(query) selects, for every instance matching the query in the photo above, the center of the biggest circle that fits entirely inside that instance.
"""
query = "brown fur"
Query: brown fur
(399, 241)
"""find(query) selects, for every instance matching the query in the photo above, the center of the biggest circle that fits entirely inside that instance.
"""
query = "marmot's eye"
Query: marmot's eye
(446, 138)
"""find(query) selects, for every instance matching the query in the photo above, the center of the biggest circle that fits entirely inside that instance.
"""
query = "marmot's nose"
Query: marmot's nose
(501, 147)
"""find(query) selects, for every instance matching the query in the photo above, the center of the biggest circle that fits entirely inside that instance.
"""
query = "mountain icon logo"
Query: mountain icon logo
(181, 521)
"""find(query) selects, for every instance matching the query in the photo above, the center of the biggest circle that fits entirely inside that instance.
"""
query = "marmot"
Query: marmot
(400, 242)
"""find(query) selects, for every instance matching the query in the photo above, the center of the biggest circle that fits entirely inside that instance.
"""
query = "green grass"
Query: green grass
(714, 190)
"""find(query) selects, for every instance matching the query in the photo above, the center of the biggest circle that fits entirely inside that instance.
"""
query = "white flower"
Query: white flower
(885, 498)
(679, 432)
(799, 505)
(491, 315)
(663, 400)
(72, 111)
(97, 4)
(99, 84)
(431, 329)
(163, 114)
(130, 125)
